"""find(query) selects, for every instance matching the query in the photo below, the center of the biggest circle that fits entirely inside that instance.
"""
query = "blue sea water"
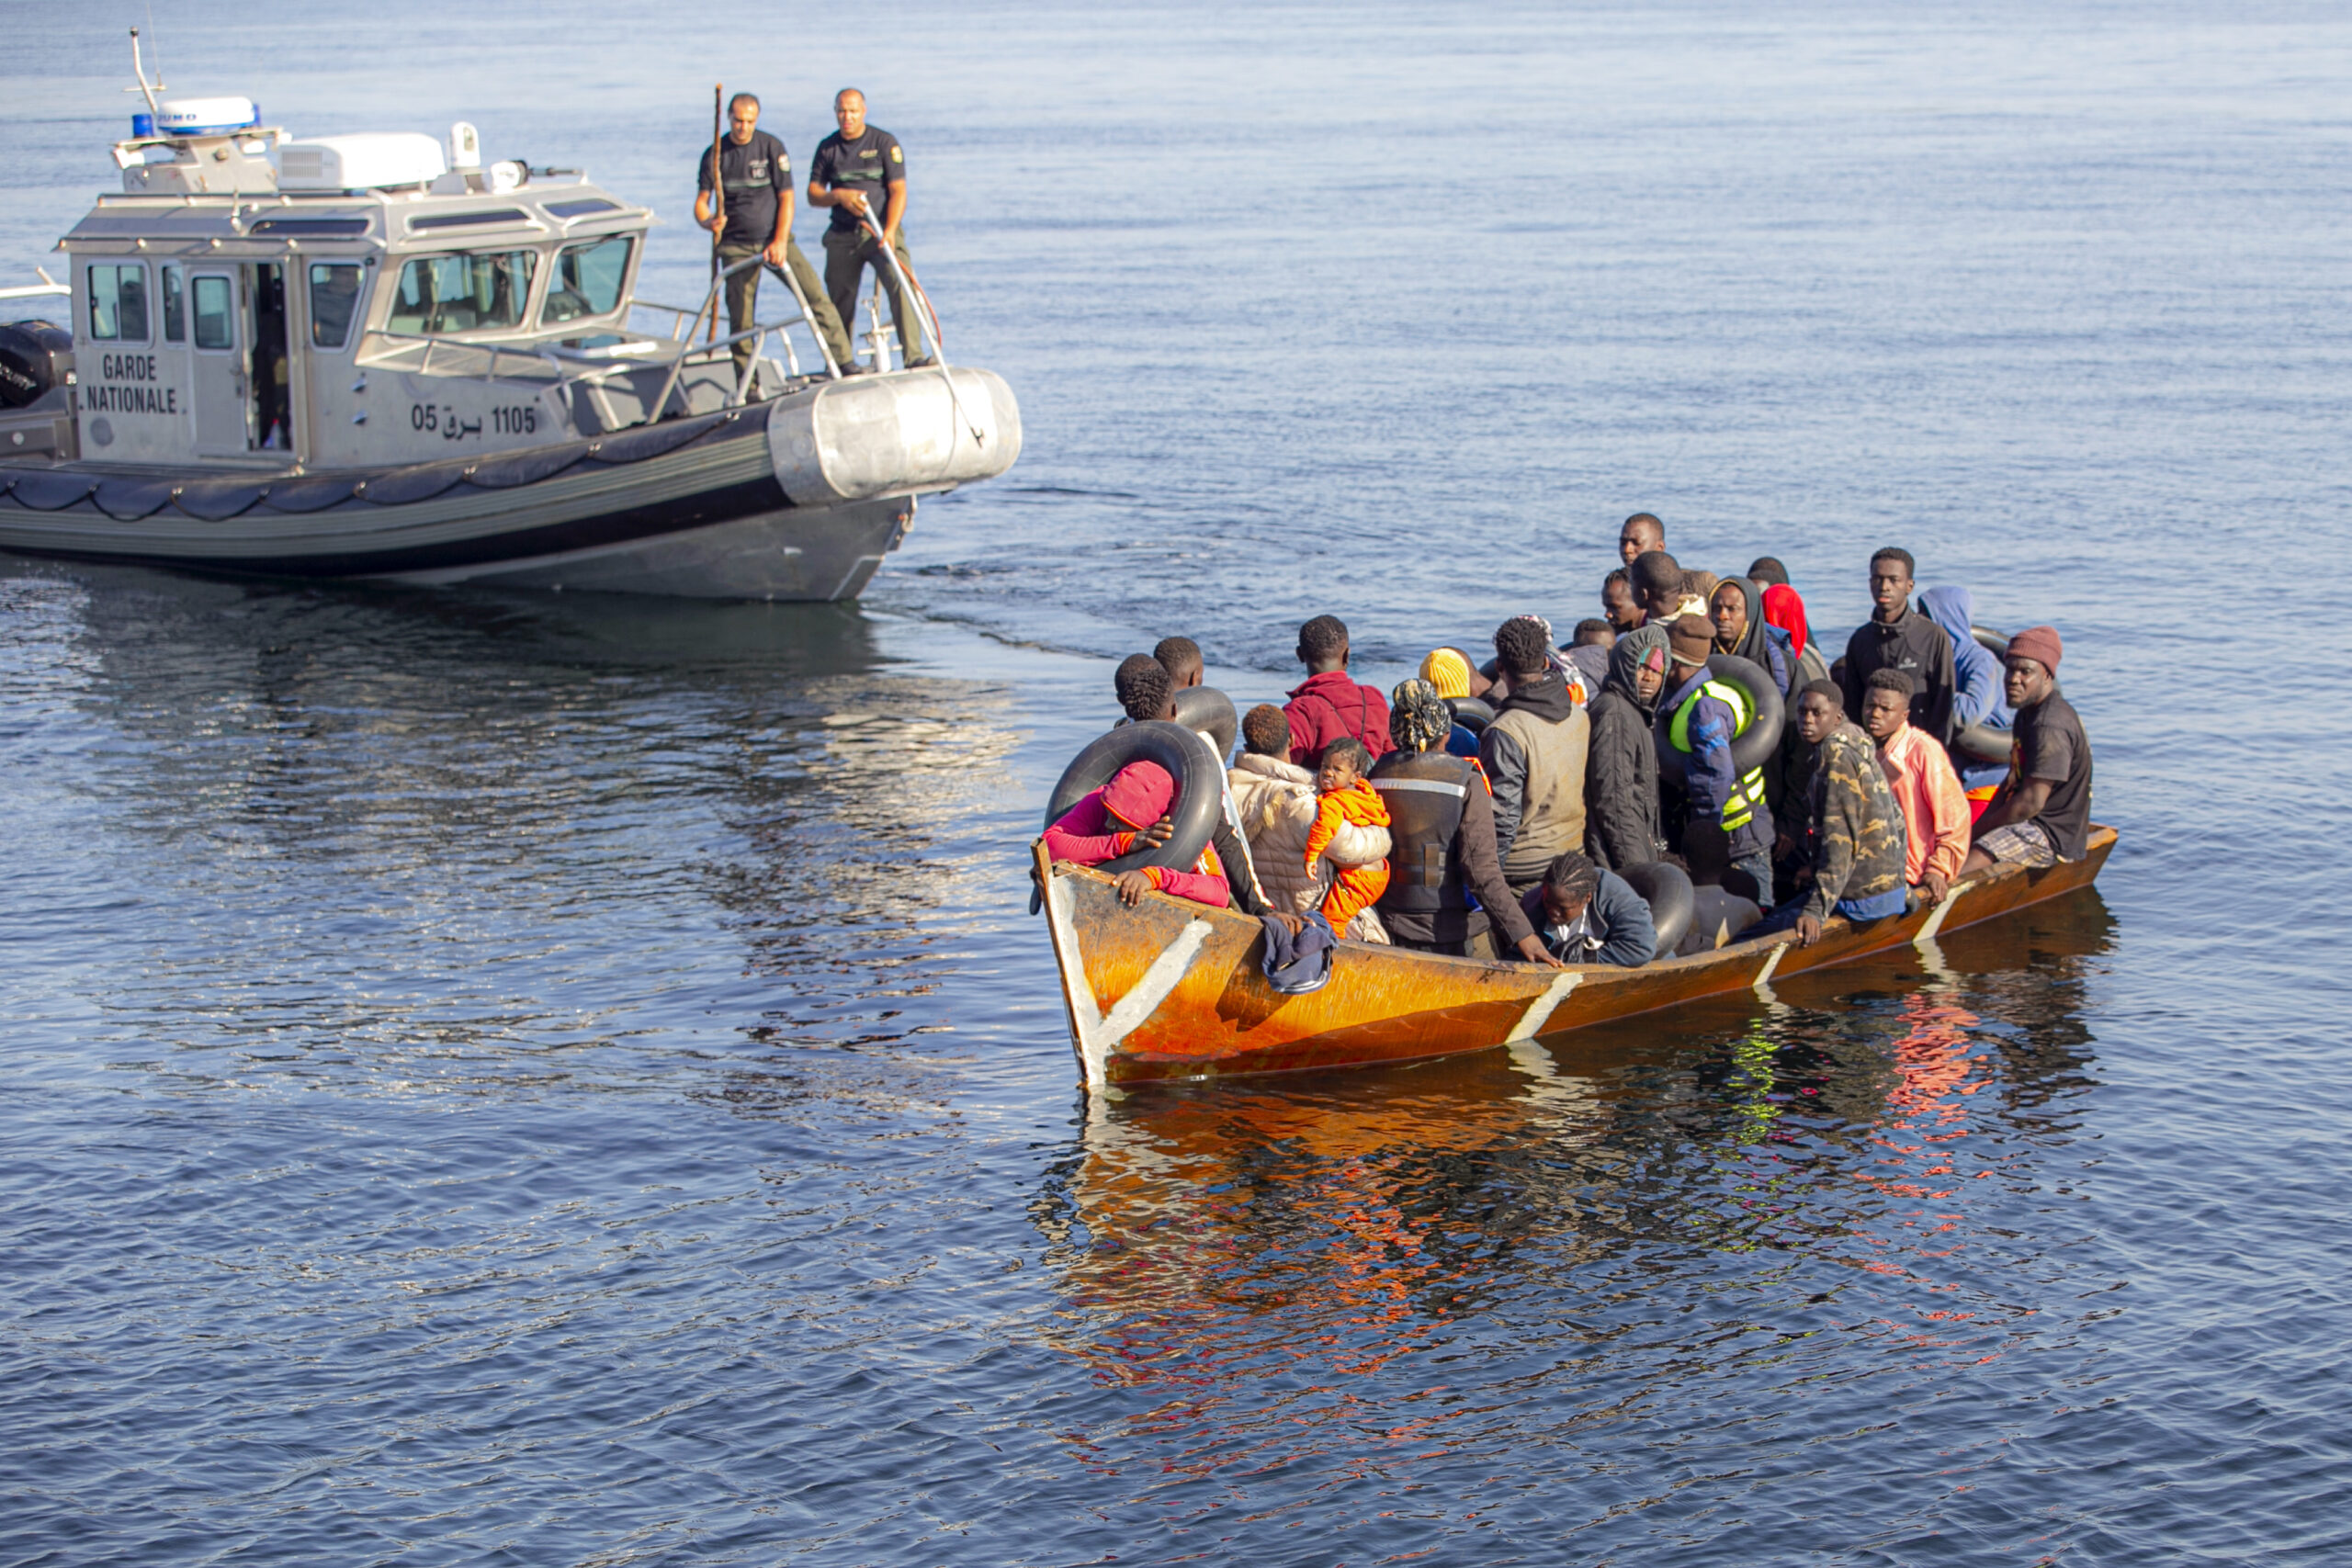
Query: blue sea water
(550, 1079)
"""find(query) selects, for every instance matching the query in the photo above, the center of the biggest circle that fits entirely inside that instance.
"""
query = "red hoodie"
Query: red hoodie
(1329, 707)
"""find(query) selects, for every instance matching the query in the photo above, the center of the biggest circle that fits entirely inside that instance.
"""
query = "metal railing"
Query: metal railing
(413, 352)
(46, 288)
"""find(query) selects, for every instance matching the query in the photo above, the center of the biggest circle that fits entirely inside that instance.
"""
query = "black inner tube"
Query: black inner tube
(1205, 710)
(1473, 713)
(1199, 788)
(1755, 745)
(1665, 887)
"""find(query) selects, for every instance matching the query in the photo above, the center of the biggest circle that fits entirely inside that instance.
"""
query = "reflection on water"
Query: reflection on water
(401, 816)
(1561, 1234)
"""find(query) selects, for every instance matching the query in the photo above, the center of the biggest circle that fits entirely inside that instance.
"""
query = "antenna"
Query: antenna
(140, 70)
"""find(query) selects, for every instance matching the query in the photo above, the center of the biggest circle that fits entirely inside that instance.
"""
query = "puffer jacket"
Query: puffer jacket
(1276, 802)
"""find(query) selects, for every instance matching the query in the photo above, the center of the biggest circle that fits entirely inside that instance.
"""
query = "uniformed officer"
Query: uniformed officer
(853, 169)
(756, 175)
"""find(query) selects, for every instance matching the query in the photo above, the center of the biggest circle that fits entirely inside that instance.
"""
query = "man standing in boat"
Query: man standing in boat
(751, 216)
(856, 169)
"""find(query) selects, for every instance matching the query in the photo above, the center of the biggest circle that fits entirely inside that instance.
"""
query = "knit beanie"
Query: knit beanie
(1447, 672)
(1693, 638)
(2040, 644)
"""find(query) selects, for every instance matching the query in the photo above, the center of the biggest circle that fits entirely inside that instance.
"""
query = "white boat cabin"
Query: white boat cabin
(255, 301)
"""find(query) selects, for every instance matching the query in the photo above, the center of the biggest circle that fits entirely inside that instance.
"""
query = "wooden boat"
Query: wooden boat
(1172, 990)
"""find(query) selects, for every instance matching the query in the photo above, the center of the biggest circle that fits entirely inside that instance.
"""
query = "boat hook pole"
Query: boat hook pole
(717, 195)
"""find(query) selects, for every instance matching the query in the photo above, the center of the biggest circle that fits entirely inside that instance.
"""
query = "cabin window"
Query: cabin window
(462, 293)
(335, 298)
(174, 306)
(215, 324)
(587, 280)
(118, 302)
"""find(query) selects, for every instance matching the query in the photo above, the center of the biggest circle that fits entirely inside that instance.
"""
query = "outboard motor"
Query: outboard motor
(35, 357)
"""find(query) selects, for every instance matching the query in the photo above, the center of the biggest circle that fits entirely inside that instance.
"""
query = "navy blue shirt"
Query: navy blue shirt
(867, 165)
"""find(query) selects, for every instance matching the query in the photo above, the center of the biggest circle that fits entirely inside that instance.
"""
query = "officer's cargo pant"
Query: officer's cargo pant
(848, 252)
(744, 292)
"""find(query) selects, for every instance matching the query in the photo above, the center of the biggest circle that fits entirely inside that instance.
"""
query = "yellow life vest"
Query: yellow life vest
(1748, 789)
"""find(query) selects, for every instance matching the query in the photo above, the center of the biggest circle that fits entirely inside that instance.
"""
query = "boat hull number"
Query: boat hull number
(445, 422)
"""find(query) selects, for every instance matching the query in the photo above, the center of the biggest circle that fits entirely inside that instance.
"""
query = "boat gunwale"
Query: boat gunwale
(1837, 945)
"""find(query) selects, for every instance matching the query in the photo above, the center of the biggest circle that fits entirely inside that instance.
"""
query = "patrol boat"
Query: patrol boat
(373, 356)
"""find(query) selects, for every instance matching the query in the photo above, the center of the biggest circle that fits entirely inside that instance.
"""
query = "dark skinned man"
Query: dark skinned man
(2043, 811)
(1642, 533)
(1852, 845)
(856, 169)
(1897, 636)
(755, 173)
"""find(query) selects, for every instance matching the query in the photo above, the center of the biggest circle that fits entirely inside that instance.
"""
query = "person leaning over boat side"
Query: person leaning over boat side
(1146, 694)
(756, 175)
(1620, 805)
(1180, 657)
(1328, 704)
(1935, 809)
(1896, 637)
(1642, 533)
(1442, 839)
(1728, 820)
(1534, 756)
(1585, 915)
(1853, 839)
(855, 167)
(1130, 812)
(2043, 813)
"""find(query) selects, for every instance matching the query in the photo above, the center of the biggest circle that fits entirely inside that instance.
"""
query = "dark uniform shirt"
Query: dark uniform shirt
(757, 174)
(867, 165)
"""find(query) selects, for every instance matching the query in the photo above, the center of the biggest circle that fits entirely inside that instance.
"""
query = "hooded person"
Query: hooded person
(1621, 826)
(1737, 608)
(1534, 756)
(1133, 807)
(1784, 608)
(1445, 892)
(1977, 696)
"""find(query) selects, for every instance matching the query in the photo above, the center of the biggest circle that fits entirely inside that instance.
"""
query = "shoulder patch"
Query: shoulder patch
(897, 155)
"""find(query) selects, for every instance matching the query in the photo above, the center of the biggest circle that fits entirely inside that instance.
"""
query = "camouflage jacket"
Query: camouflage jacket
(1854, 839)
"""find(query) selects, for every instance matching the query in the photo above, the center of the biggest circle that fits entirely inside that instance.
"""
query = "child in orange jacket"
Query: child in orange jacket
(1345, 799)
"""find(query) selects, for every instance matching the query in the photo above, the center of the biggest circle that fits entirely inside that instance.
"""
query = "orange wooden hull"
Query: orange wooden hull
(1172, 990)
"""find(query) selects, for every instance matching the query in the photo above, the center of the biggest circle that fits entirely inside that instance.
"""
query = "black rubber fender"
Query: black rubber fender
(1205, 710)
(1665, 887)
(1199, 788)
(1991, 641)
(1473, 713)
(1755, 746)
(1983, 743)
